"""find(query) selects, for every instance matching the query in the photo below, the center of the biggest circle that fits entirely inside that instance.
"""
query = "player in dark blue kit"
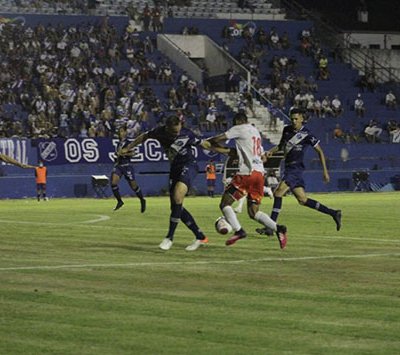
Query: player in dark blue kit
(124, 167)
(295, 140)
(177, 143)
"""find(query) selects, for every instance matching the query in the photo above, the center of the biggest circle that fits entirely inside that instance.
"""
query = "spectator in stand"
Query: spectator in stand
(353, 134)
(372, 132)
(284, 41)
(146, 17)
(338, 133)
(211, 118)
(394, 134)
(274, 41)
(359, 106)
(390, 100)
(337, 108)
(326, 107)
(323, 70)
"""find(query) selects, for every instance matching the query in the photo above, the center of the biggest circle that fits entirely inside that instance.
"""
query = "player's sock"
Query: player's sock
(138, 192)
(189, 221)
(319, 207)
(115, 190)
(230, 216)
(276, 209)
(265, 220)
(38, 197)
(176, 211)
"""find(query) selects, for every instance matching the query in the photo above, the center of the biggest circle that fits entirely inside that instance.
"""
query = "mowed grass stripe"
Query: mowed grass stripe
(249, 299)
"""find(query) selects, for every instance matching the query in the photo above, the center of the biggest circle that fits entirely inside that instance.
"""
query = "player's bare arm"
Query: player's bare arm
(128, 149)
(12, 161)
(269, 153)
(322, 159)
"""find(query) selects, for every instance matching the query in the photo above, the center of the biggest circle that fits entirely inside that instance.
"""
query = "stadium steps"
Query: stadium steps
(262, 120)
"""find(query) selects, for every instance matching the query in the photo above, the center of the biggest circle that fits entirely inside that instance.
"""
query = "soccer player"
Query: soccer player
(249, 180)
(177, 143)
(41, 180)
(124, 167)
(9, 160)
(294, 142)
(211, 177)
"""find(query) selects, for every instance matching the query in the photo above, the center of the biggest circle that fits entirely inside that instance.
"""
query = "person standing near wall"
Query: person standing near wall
(211, 177)
(41, 181)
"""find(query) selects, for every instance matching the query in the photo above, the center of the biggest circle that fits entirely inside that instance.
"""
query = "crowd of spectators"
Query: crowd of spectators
(84, 81)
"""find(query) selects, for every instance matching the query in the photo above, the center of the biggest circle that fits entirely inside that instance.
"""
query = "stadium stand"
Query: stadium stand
(92, 73)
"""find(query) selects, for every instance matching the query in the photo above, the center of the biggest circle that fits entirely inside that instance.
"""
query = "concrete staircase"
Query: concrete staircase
(262, 118)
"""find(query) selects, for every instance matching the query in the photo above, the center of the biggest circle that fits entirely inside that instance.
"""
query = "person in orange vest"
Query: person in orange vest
(41, 180)
(211, 177)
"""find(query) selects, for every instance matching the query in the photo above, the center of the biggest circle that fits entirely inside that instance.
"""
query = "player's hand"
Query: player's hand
(326, 178)
(206, 144)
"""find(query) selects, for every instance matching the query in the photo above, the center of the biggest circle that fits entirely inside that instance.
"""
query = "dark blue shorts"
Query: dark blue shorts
(293, 178)
(185, 174)
(128, 171)
(41, 186)
(211, 182)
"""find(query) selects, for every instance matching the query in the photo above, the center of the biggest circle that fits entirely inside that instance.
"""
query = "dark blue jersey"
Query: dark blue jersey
(123, 159)
(178, 148)
(294, 144)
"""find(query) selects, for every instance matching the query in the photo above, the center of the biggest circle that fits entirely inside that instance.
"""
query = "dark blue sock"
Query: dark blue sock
(115, 190)
(319, 207)
(189, 221)
(138, 192)
(176, 211)
(276, 209)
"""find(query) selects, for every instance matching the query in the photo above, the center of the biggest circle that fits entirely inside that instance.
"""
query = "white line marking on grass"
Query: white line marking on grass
(136, 228)
(209, 262)
(100, 218)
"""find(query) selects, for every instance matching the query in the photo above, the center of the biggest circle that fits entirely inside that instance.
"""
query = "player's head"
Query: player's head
(239, 118)
(297, 116)
(173, 125)
(40, 163)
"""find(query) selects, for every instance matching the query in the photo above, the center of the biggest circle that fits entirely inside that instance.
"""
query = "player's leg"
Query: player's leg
(135, 187)
(279, 192)
(38, 192)
(190, 222)
(303, 200)
(254, 198)
(115, 178)
(44, 192)
(270, 226)
(178, 191)
(239, 207)
(232, 194)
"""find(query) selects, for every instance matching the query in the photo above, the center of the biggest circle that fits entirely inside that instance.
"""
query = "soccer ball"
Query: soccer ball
(222, 226)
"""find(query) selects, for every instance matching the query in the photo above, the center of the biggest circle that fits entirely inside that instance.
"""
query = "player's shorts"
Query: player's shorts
(250, 185)
(128, 171)
(293, 178)
(211, 182)
(41, 186)
(185, 174)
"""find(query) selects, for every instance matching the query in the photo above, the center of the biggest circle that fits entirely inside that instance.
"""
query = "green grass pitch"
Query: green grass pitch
(78, 278)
